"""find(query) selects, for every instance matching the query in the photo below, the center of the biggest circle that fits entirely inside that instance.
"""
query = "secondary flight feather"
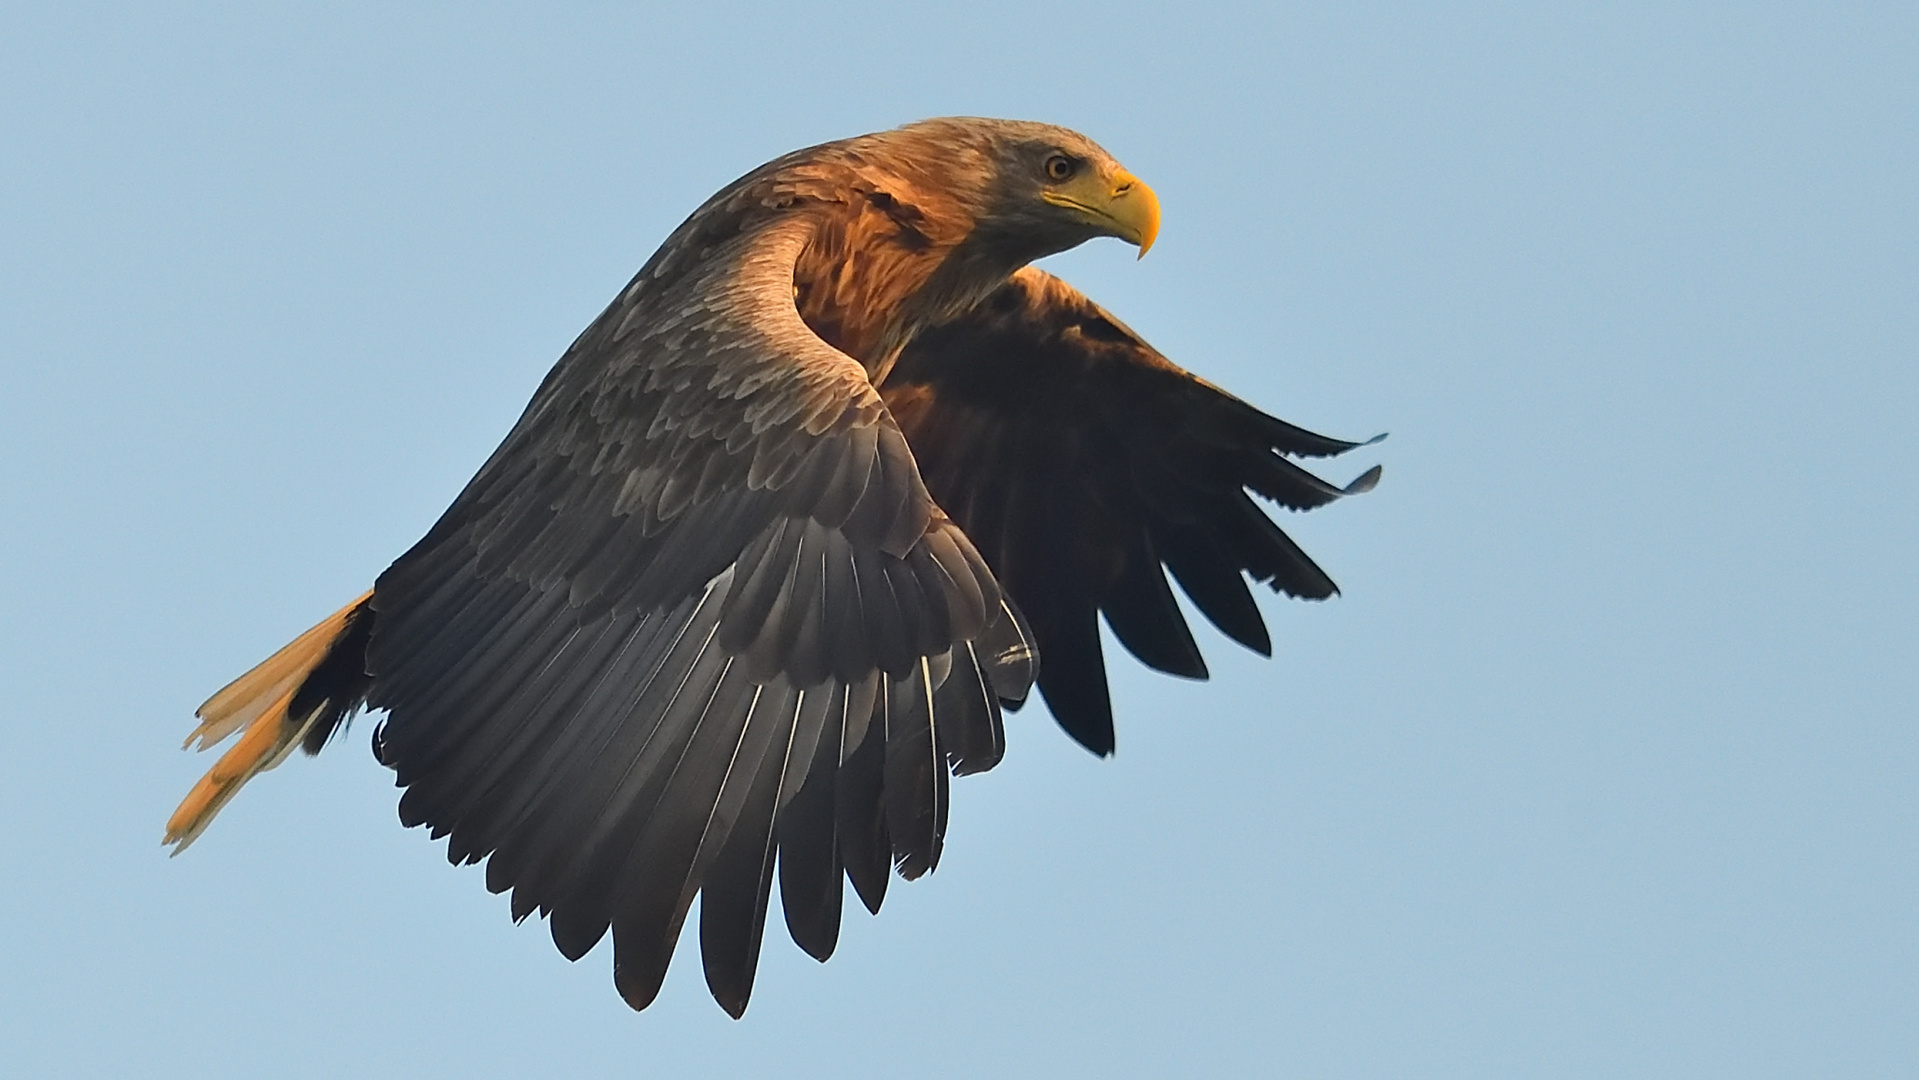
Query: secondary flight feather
(836, 478)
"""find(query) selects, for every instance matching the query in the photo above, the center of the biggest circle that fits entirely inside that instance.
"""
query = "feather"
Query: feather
(864, 847)
(257, 704)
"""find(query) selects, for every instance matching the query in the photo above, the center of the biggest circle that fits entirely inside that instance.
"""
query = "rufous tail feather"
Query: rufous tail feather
(256, 702)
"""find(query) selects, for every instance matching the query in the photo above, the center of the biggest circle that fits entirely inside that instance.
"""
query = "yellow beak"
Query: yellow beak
(1120, 204)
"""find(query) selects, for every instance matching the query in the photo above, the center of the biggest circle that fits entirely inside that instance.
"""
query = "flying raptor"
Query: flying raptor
(836, 477)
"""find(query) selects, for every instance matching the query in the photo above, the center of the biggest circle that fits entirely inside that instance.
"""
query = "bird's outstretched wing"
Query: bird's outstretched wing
(1081, 462)
(696, 611)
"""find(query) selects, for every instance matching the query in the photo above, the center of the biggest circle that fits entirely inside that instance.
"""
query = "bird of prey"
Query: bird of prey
(832, 480)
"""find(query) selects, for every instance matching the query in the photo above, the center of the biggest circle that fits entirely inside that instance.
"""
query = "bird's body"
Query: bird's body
(775, 540)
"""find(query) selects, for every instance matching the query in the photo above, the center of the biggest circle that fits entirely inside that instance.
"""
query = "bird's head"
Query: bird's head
(1031, 189)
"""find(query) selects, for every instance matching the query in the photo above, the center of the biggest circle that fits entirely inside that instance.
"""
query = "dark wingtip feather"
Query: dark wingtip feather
(1140, 609)
(637, 987)
(915, 785)
(865, 849)
(1365, 481)
(1214, 583)
(734, 897)
(809, 865)
(809, 868)
(1299, 442)
(1072, 674)
(971, 729)
(575, 931)
(1008, 656)
(1083, 711)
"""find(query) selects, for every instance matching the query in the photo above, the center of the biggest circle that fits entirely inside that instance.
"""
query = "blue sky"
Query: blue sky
(1603, 765)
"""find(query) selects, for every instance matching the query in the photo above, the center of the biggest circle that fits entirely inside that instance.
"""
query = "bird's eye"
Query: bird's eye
(1059, 167)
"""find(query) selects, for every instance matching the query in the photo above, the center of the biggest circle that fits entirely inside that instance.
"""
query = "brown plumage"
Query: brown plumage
(1081, 461)
(715, 607)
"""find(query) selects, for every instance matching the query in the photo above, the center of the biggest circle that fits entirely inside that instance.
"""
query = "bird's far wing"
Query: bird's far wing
(697, 611)
(1081, 461)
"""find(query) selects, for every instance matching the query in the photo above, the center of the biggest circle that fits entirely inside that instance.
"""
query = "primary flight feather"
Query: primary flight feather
(835, 477)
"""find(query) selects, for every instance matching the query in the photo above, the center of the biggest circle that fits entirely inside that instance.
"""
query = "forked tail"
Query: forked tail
(300, 693)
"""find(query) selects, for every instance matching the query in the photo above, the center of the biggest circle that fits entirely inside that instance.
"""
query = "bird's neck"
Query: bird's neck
(880, 269)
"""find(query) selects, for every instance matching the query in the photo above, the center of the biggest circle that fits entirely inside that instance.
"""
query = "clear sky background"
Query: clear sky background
(1603, 766)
